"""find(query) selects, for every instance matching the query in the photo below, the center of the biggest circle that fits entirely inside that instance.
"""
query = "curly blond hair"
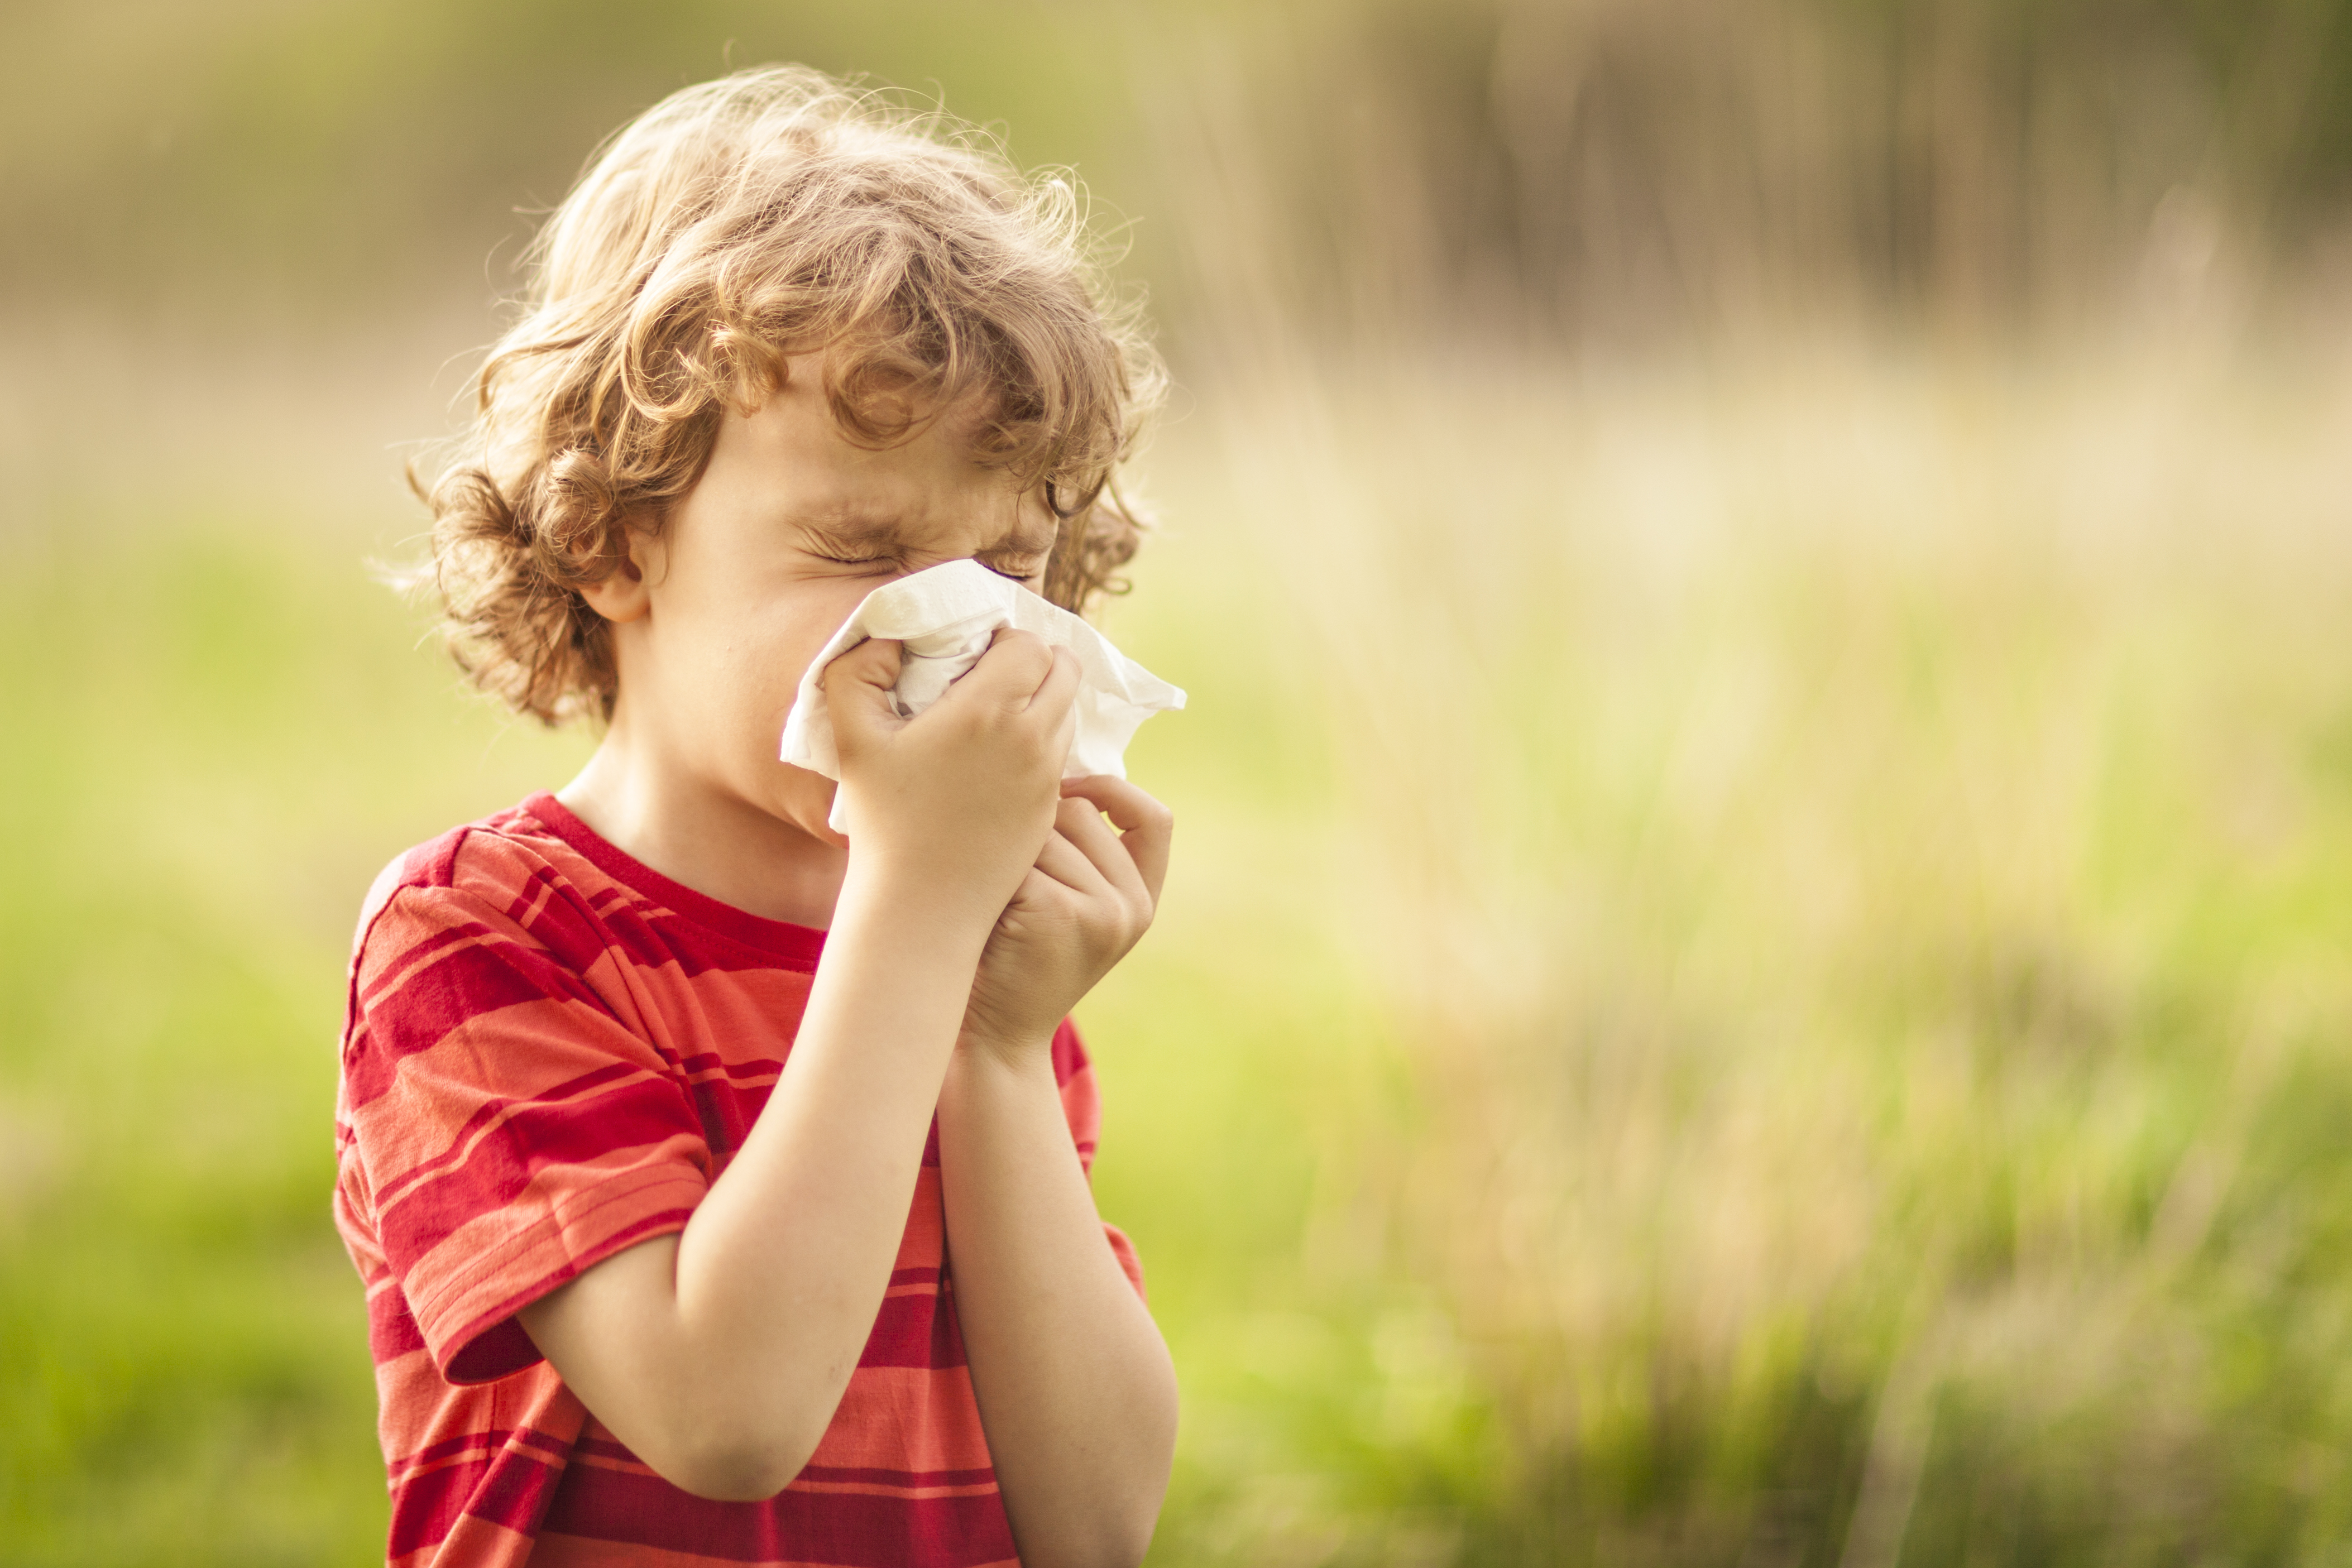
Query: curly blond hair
(771, 213)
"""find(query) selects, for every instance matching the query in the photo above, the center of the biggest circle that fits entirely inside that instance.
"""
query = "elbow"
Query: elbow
(1123, 1530)
(1116, 1539)
(735, 1467)
(729, 1478)
(1125, 1543)
(1112, 1530)
(1129, 1537)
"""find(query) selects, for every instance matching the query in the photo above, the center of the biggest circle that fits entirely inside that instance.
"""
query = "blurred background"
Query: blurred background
(1757, 973)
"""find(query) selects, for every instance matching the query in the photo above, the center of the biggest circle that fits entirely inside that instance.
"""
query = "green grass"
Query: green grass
(1755, 975)
(213, 727)
(1854, 862)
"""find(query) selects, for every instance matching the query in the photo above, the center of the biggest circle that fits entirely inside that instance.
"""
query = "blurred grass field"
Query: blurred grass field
(1756, 975)
(1853, 855)
(1756, 972)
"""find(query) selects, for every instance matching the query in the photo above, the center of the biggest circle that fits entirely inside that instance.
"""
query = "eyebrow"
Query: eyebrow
(882, 533)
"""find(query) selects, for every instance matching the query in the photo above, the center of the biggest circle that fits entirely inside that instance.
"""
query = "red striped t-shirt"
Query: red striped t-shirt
(549, 1052)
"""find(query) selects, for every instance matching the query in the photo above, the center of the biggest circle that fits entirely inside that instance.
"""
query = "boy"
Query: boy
(718, 1180)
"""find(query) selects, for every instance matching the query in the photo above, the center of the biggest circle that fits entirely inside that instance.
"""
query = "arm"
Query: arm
(718, 1353)
(1075, 1385)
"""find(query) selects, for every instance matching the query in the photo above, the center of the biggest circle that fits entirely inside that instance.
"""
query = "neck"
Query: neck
(694, 830)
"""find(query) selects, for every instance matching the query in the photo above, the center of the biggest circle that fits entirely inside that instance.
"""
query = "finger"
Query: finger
(1056, 702)
(1126, 804)
(873, 662)
(1071, 867)
(1146, 827)
(1035, 888)
(1080, 821)
(1060, 686)
(857, 687)
(1009, 673)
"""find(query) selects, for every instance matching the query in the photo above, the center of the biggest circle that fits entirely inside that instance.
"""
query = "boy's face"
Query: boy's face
(790, 527)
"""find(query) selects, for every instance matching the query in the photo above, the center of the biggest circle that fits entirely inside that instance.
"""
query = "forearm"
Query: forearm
(1075, 1385)
(721, 1358)
(804, 1225)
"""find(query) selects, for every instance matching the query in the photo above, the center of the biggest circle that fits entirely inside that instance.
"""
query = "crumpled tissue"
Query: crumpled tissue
(944, 617)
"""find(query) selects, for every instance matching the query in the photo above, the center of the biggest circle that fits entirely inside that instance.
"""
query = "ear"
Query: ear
(623, 594)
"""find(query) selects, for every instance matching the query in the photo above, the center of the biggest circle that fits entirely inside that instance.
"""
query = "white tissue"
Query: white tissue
(944, 616)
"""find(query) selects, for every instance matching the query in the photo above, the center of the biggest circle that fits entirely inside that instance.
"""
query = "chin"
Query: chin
(806, 802)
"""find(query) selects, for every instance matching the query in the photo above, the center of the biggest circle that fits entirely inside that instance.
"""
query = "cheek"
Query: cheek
(763, 663)
(804, 620)
(728, 654)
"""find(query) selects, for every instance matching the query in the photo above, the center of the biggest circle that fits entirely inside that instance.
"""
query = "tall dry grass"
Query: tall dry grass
(1614, 175)
(1855, 850)
(1758, 973)
(1823, 572)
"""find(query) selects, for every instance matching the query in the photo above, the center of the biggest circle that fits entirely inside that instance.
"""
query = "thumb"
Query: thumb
(856, 688)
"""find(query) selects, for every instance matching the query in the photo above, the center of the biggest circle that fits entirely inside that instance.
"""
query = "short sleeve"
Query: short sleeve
(511, 1129)
(1082, 1108)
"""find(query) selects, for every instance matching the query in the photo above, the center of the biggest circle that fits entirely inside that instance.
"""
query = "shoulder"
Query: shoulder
(491, 932)
(495, 857)
(504, 868)
(501, 899)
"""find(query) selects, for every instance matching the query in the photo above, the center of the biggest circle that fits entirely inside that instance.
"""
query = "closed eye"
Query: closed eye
(890, 561)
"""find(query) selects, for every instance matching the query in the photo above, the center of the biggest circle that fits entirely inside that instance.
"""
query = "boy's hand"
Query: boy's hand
(1084, 904)
(958, 798)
